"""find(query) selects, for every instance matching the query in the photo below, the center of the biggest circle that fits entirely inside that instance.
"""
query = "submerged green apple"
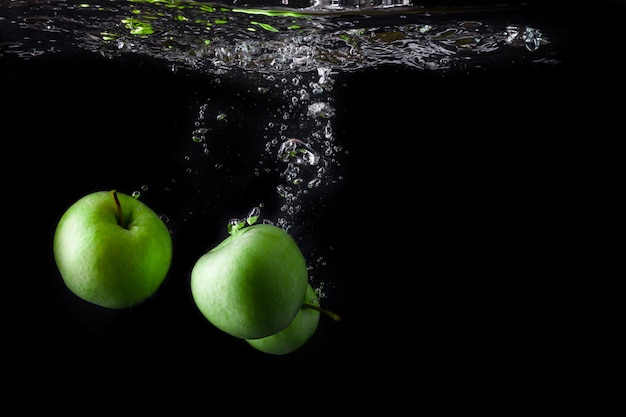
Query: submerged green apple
(297, 333)
(112, 250)
(252, 284)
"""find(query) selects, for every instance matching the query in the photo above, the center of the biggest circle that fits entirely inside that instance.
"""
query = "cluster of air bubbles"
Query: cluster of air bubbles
(320, 290)
(315, 264)
(201, 132)
(199, 135)
(301, 158)
(295, 151)
(303, 142)
(324, 74)
(298, 135)
(321, 109)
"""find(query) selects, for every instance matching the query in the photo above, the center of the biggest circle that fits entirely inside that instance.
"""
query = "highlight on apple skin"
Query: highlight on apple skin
(112, 250)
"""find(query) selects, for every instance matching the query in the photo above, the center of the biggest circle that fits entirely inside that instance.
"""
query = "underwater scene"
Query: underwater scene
(431, 160)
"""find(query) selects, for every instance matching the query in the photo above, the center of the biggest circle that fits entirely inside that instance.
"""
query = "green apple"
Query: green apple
(252, 284)
(297, 333)
(112, 250)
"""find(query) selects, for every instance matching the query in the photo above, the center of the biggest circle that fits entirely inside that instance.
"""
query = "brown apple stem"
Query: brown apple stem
(120, 215)
(329, 313)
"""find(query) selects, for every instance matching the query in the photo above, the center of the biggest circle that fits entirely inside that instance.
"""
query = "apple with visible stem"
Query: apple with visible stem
(298, 332)
(112, 250)
(252, 284)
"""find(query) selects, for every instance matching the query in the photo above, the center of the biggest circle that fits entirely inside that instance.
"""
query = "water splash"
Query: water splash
(216, 38)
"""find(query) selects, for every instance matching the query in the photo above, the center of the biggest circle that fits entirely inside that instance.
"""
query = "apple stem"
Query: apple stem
(120, 215)
(329, 313)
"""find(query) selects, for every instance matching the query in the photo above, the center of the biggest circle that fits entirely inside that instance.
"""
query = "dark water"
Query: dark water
(456, 163)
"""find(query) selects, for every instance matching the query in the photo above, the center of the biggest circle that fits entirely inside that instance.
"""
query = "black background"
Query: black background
(462, 237)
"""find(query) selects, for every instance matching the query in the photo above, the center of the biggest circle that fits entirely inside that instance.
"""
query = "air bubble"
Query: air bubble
(253, 216)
